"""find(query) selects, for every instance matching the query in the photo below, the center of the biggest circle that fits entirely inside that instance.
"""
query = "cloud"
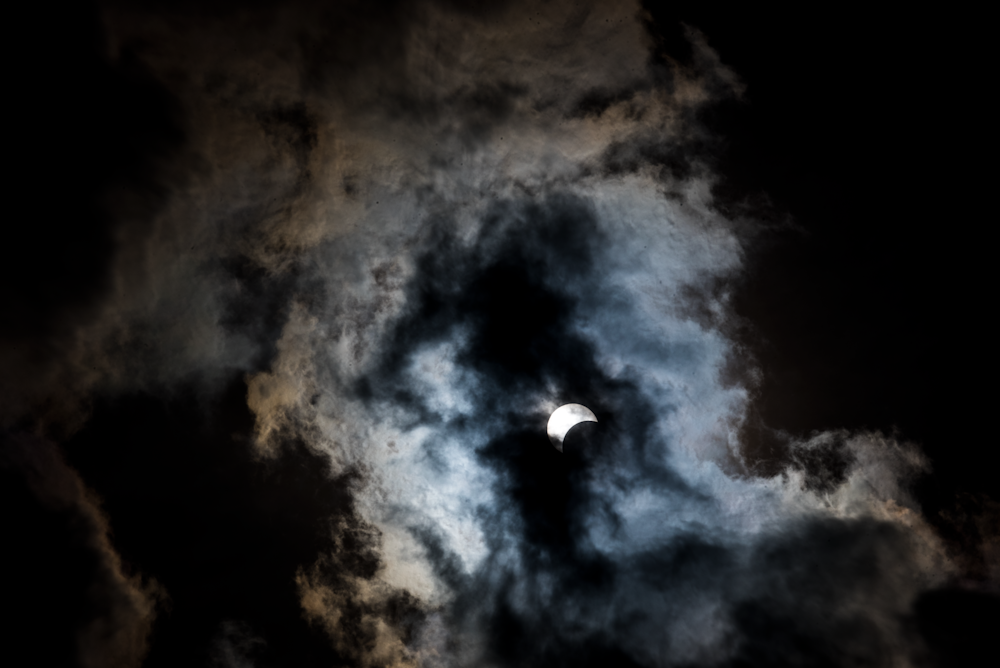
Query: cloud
(235, 645)
(415, 230)
(76, 603)
(107, 159)
(633, 546)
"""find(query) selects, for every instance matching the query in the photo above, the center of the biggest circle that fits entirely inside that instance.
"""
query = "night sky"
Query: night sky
(290, 289)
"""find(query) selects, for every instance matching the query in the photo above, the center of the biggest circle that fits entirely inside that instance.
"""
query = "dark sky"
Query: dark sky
(179, 493)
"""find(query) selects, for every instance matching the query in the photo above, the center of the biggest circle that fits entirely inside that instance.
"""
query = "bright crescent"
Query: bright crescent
(564, 418)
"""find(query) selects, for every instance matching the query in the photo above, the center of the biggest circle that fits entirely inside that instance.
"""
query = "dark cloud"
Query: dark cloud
(69, 597)
(222, 533)
(679, 162)
(513, 300)
(509, 290)
(98, 131)
(295, 128)
(823, 591)
(235, 646)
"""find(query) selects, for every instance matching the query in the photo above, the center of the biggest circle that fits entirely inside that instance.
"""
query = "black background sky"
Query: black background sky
(867, 127)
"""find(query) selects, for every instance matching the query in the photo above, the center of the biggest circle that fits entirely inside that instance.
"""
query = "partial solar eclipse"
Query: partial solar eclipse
(565, 418)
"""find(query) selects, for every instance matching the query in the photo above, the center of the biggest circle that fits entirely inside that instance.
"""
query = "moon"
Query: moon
(564, 418)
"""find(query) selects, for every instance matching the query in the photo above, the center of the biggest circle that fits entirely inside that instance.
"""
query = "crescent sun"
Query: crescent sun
(565, 418)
